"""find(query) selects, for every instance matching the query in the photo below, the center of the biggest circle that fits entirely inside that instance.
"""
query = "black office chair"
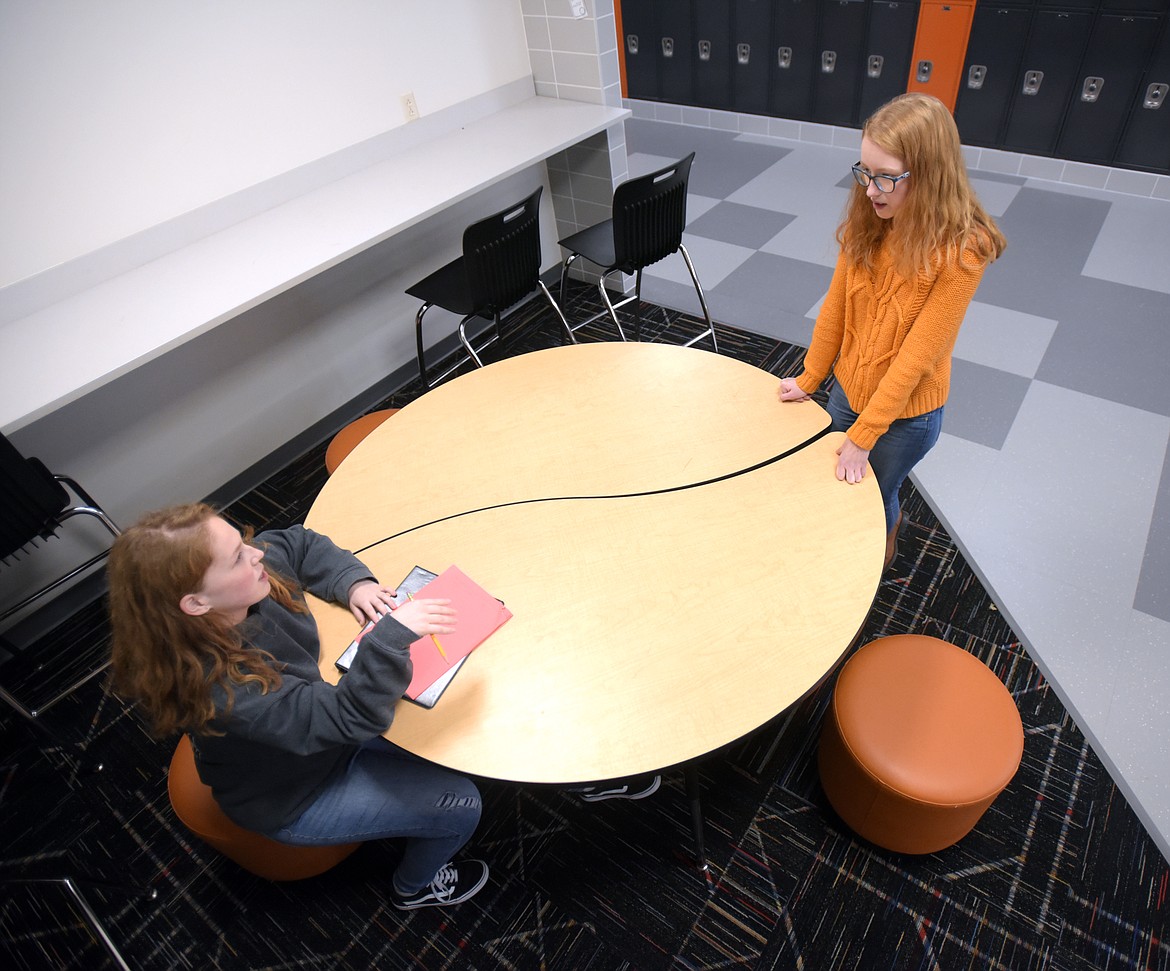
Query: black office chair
(500, 265)
(35, 504)
(649, 215)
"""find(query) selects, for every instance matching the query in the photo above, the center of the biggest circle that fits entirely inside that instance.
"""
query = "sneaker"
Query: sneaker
(451, 885)
(632, 789)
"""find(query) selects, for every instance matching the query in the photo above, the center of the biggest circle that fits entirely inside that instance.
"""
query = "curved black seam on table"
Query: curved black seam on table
(620, 495)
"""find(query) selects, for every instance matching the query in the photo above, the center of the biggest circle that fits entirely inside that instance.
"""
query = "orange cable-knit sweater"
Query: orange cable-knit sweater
(891, 339)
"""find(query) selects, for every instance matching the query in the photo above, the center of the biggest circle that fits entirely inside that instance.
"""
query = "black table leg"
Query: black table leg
(694, 795)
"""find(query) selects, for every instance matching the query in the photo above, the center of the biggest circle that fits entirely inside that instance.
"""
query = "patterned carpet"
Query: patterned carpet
(1059, 874)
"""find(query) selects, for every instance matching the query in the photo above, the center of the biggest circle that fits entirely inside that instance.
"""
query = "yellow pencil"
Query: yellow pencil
(410, 596)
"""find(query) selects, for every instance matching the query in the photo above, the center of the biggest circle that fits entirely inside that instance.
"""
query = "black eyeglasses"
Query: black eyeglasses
(885, 183)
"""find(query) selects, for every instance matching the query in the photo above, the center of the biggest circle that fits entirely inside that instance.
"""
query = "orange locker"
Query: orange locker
(940, 47)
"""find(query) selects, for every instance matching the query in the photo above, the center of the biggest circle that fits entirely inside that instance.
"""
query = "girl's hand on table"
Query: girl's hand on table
(369, 600)
(789, 391)
(426, 616)
(851, 462)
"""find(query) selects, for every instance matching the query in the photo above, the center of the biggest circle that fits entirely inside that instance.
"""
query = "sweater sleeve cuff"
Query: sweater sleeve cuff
(862, 436)
(808, 383)
(346, 579)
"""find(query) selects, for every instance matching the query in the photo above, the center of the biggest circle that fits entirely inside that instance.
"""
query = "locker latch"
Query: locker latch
(1032, 81)
(668, 47)
(784, 57)
(631, 43)
(922, 74)
(828, 61)
(873, 67)
(976, 76)
(1091, 89)
(704, 50)
(743, 53)
(1155, 95)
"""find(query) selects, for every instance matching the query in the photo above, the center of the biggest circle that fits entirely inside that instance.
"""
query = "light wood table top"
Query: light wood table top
(666, 602)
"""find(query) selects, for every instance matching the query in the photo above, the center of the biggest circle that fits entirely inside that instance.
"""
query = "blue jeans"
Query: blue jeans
(387, 792)
(901, 448)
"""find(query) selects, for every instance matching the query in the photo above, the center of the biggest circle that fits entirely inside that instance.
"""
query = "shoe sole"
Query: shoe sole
(467, 895)
(603, 796)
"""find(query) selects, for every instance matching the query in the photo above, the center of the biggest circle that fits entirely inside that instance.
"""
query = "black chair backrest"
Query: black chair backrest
(502, 255)
(649, 215)
(30, 499)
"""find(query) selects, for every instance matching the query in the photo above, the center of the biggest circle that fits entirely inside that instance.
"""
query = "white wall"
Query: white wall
(194, 105)
(121, 114)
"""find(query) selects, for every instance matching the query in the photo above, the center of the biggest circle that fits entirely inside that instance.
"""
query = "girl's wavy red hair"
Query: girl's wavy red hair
(166, 660)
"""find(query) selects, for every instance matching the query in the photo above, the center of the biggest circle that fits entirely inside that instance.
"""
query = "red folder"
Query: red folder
(479, 616)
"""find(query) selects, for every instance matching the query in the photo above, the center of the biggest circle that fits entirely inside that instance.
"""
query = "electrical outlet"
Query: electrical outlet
(410, 106)
(578, 8)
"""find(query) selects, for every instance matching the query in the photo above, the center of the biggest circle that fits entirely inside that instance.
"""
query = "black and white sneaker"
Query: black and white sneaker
(451, 885)
(638, 788)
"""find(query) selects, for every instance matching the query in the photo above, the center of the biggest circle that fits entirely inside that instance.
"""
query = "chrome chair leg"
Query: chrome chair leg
(418, 338)
(473, 352)
(89, 914)
(560, 313)
(610, 305)
(565, 274)
(702, 303)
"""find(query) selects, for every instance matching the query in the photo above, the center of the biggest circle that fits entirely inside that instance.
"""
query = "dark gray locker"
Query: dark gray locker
(640, 49)
(837, 75)
(711, 53)
(1146, 141)
(1114, 62)
(1046, 79)
(751, 55)
(676, 39)
(888, 50)
(793, 58)
(1136, 6)
(994, 52)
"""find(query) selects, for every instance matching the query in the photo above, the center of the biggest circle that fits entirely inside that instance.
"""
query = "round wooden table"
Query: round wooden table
(680, 560)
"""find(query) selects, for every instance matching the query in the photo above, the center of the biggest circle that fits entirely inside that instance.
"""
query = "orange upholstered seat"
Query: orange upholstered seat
(346, 440)
(919, 740)
(200, 813)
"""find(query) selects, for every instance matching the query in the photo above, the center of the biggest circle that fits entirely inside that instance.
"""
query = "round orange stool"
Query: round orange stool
(200, 813)
(918, 741)
(346, 440)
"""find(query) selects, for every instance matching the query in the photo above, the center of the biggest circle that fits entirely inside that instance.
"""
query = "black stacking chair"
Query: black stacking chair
(649, 215)
(500, 265)
(34, 504)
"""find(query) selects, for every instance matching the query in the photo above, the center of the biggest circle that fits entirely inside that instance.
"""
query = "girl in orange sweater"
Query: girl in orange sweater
(914, 243)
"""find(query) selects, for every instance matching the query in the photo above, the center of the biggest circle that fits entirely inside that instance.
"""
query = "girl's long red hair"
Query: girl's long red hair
(941, 217)
(168, 661)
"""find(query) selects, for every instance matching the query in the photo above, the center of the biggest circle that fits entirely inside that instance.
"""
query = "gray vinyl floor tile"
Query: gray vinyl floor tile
(995, 195)
(1050, 236)
(806, 239)
(698, 206)
(1112, 341)
(744, 225)
(773, 281)
(643, 163)
(983, 402)
(784, 325)
(1153, 592)
(1003, 338)
(1132, 245)
(1053, 470)
(714, 260)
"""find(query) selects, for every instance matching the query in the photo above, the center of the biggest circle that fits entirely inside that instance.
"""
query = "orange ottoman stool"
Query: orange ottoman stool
(919, 740)
(200, 813)
(346, 440)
